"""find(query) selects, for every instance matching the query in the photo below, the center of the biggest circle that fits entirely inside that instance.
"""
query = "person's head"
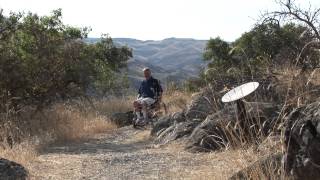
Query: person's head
(147, 73)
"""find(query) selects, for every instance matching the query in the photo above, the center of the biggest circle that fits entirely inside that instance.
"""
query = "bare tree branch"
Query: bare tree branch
(292, 12)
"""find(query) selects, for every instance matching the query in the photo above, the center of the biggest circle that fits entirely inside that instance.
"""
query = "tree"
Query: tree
(42, 59)
(289, 36)
(217, 52)
(290, 11)
(269, 40)
(253, 54)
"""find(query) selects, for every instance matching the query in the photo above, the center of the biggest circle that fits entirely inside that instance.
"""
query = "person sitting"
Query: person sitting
(150, 92)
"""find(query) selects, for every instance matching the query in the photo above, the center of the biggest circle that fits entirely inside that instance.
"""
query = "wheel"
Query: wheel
(134, 120)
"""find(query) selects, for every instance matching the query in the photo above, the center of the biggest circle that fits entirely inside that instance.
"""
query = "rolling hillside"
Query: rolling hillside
(172, 59)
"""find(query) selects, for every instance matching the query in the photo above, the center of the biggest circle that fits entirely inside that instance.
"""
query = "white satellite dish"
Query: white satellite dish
(240, 92)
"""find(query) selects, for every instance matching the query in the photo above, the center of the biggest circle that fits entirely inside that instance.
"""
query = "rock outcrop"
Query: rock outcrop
(302, 142)
(176, 131)
(206, 129)
(223, 128)
(202, 104)
(167, 121)
(209, 125)
(162, 124)
(209, 134)
(10, 170)
(181, 124)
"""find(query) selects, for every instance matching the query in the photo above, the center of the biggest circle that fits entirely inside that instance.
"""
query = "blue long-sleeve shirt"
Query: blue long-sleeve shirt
(150, 88)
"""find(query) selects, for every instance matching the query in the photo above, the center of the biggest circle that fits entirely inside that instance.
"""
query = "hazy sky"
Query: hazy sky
(154, 19)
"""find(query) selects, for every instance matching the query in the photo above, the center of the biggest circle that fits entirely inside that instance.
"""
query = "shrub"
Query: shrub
(41, 59)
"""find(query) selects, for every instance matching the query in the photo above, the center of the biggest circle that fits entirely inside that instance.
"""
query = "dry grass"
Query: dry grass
(30, 131)
(298, 87)
(69, 123)
(23, 153)
(142, 136)
(112, 105)
(176, 100)
(229, 161)
(217, 165)
(220, 164)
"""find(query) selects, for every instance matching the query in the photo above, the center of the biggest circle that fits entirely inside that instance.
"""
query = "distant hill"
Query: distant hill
(172, 59)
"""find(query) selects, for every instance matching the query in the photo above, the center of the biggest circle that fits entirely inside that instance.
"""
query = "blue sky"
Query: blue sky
(155, 19)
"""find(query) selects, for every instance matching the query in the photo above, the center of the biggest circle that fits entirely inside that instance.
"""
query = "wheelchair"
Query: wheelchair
(154, 111)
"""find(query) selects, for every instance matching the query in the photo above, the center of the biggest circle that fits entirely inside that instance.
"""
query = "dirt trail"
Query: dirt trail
(126, 153)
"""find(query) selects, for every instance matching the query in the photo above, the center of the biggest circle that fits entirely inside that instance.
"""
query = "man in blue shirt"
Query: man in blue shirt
(150, 91)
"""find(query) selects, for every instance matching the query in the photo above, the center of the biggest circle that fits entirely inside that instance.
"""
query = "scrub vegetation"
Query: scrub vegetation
(57, 96)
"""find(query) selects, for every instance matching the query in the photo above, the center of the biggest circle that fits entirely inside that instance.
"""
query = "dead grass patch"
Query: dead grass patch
(142, 135)
(70, 124)
(23, 135)
(216, 165)
(112, 105)
(176, 100)
(24, 153)
(221, 164)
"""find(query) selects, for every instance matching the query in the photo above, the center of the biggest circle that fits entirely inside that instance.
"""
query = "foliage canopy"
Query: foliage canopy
(42, 59)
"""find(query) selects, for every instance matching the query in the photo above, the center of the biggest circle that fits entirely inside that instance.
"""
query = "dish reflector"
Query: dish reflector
(240, 92)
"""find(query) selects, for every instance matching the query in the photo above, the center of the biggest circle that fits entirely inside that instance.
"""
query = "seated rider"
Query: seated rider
(150, 91)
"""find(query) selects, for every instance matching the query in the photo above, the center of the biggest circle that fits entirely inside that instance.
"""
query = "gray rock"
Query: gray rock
(122, 119)
(166, 121)
(201, 106)
(223, 128)
(161, 124)
(176, 131)
(266, 168)
(209, 135)
(178, 117)
(302, 142)
(10, 170)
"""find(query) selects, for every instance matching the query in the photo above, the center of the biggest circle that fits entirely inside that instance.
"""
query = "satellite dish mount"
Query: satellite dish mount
(237, 94)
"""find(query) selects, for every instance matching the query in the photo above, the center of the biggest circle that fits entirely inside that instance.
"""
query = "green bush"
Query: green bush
(257, 52)
(42, 59)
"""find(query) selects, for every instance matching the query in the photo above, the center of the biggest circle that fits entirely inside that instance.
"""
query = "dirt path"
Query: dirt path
(126, 153)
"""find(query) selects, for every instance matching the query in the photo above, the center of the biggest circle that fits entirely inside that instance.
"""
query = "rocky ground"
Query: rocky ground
(129, 153)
